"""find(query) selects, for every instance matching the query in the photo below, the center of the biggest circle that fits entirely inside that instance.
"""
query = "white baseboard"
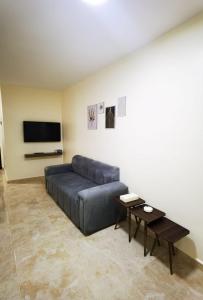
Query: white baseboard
(199, 261)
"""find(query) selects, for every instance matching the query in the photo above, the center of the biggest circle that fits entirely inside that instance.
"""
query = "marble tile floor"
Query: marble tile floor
(44, 256)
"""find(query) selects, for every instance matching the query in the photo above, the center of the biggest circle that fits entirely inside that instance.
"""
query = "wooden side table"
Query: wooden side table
(139, 213)
(129, 206)
(169, 231)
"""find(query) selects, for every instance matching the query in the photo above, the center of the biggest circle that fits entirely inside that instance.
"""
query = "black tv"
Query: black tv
(41, 131)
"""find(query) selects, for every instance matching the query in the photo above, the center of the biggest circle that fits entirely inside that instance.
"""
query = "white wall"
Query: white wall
(159, 145)
(27, 104)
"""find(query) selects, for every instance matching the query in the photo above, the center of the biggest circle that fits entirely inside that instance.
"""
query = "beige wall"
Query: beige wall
(29, 104)
(1, 132)
(159, 145)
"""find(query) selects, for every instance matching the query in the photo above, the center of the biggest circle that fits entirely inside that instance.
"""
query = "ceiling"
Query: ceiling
(53, 43)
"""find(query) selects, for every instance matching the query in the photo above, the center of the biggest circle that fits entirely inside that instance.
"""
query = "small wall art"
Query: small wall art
(121, 106)
(92, 116)
(110, 117)
(100, 108)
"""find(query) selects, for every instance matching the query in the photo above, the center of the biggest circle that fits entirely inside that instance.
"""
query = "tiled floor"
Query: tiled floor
(44, 256)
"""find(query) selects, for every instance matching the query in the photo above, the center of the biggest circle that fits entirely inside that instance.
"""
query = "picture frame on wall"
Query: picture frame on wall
(110, 117)
(100, 108)
(92, 117)
(121, 112)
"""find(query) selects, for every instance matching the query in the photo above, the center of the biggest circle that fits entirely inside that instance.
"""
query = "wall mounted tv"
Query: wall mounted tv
(41, 131)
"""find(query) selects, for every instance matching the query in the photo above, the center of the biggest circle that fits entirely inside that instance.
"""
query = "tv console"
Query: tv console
(43, 154)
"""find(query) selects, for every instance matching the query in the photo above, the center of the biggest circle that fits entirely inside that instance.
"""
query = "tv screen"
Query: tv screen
(41, 131)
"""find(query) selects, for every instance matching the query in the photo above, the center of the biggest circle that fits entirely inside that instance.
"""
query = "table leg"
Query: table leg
(137, 228)
(154, 244)
(117, 219)
(170, 257)
(173, 249)
(117, 222)
(116, 225)
(129, 223)
(158, 241)
(145, 238)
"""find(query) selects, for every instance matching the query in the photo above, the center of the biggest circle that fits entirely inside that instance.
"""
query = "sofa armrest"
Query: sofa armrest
(57, 169)
(99, 192)
(98, 208)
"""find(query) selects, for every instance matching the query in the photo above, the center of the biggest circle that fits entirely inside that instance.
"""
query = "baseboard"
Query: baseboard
(200, 263)
(27, 180)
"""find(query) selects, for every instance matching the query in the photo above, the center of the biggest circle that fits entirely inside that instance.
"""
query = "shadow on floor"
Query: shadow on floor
(183, 265)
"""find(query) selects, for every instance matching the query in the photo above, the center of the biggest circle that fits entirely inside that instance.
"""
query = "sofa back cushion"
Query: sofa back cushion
(96, 171)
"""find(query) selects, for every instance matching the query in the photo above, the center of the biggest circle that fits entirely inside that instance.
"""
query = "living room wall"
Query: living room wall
(159, 144)
(28, 104)
(1, 133)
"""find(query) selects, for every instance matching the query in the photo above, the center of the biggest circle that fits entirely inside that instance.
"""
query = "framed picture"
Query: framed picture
(110, 117)
(121, 107)
(92, 116)
(100, 108)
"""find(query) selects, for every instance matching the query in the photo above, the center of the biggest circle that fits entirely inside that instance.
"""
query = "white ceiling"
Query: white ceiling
(53, 43)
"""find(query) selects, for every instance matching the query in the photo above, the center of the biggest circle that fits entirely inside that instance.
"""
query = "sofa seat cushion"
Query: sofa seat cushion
(64, 188)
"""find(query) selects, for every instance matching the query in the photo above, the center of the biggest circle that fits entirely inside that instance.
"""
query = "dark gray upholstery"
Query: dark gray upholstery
(85, 191)
(98, 208)
(94, 170)
(65, 188)
(58, 169)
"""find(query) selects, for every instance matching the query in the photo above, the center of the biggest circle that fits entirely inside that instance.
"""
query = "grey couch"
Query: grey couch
(85, 191)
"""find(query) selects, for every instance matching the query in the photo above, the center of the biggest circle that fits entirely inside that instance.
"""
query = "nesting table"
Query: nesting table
(156, 221)
(129, 206)
(169, 231)
(141, 215)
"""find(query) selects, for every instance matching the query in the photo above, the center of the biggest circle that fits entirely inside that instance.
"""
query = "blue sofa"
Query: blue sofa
(85, 191)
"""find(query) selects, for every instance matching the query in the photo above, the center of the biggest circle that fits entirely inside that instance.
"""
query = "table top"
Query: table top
(147, 217)
(130, 203)
(168, 230)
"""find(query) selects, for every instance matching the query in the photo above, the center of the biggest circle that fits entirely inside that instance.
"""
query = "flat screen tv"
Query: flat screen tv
(41, 131)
